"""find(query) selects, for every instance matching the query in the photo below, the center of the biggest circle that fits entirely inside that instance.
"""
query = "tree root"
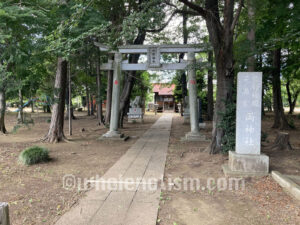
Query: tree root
(281, 143)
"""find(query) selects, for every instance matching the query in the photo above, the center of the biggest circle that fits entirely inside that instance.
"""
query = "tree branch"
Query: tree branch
(237, 15)
(195, 7)
(164, 25)
(182, 11)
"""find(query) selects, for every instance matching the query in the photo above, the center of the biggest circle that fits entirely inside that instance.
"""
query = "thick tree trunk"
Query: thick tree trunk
(221, 38)
(99, 86)
(2, 110)
(125, 97)
(185, 34)
(56, 130)
(210, 88)
(129, 82)
(20, 113)
(280, 120)
(108, 96)
(224, 94)
(222, 42)
(251, 62)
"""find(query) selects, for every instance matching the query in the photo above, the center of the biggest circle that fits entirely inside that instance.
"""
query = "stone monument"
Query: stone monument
(247, 159)
(135, 111)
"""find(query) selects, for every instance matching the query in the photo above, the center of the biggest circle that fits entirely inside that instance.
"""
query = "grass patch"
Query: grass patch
(33, 155)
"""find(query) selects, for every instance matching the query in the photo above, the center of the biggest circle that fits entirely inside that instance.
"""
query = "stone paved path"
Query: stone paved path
(144, 162)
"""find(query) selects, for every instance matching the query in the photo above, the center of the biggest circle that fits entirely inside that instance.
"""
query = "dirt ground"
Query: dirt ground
(261, 202)
(35, 193)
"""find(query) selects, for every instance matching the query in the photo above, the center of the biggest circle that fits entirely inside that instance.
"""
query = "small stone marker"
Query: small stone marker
(247, 160)
(4, 214)
(135, 112)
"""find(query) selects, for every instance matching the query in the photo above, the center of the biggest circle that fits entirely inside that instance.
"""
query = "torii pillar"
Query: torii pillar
(194, 134)
(113, 133)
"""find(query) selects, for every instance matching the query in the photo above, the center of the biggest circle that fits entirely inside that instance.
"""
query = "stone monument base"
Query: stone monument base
(135, 120)
(114, 136)
(202, 125)
(246, 165)
(193, 137)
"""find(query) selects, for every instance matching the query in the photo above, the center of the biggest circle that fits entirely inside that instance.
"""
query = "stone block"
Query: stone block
(202, 125)
(246, 165)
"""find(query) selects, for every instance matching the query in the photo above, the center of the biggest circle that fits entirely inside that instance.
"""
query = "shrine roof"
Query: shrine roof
(164, 89)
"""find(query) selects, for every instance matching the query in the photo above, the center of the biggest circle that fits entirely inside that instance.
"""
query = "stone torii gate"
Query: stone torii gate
(153, 63)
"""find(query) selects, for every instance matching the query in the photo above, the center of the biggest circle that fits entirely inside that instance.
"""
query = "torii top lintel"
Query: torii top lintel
(143, 49)
(154, 54)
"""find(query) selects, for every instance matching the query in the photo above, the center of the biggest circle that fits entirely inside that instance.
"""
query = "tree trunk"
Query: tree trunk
(56, 130)
(251, 36)
(129, 82)
(2, 110)
(92, 105)
(125, 97)
(108, 96)
(222, 42)
(291, 99)
(72, 112)
(87, 100)
(221, 38)
(224, 94)
(280, 120)
(68, 102)
(99, 86)
(185, 34)
(210, 88)
(20, 113)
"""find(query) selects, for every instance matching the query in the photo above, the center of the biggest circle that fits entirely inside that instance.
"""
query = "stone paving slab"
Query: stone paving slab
(138, 204)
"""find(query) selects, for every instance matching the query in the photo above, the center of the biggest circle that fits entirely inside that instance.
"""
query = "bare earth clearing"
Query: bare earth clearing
(262, 201)
(35, 193)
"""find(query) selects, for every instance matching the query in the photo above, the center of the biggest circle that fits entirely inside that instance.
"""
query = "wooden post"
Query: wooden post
(4, 214)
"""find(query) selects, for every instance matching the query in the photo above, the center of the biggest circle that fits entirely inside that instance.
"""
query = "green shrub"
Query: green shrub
(33, 155)
(227, 123)
(298, 116)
